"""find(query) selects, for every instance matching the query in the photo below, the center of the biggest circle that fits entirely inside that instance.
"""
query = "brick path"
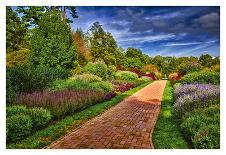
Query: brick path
(129, 124)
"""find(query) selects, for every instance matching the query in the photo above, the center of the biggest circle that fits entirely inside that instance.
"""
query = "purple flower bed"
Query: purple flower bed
(110, 96)
(191, 96)
(61, 102)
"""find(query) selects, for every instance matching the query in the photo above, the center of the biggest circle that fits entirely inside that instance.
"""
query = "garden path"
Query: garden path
(129, 124)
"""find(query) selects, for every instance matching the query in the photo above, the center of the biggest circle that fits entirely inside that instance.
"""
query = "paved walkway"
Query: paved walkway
(129, 124)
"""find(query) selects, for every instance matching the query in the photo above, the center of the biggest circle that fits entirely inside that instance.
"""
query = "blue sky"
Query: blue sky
(166, 31)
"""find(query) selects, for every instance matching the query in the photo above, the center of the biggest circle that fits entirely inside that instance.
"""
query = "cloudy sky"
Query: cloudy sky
(167, 31)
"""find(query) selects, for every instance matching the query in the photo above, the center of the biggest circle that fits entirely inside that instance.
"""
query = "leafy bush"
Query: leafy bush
(28, 79)
(214, 68)
(101, 86)
(87, 77)
(146, 78)
(98, 68)
(201, 77)
(68, 84)
(151, 76)
(174, 76)
(63, 102)
(191, 96)
(81, 84)
(189, 67)
(77, 70)
(17, 127)
(152, 71)
(40, 117)
(17, 58)
(136, 70)
(125, 75)
(203, 127)
(16, 110)
(132, 62)
(10, 91)
(122, 86)
(111, 71)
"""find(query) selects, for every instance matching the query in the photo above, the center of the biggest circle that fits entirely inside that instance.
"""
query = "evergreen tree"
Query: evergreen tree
(32, 14)
(15, 31)
(51, 43)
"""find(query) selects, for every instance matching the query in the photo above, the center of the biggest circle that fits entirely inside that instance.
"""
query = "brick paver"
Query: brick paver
(129, 124)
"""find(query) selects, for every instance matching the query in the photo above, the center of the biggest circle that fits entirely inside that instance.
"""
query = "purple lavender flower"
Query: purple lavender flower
(190, 96)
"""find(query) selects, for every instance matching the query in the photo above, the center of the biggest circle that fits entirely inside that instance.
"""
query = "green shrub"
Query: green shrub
(68, 84)
(189, 67)
(125, 75)
(10, 92)
(203, 127)
(98, 68)
(145, 78)
(87, 77)
(111, 71)
(77, 70)
(17, 127)
(78, 84)
(40, 117)
(16, 110)
(28, 79)
(207, 137)
(201, 77)
(102, 86)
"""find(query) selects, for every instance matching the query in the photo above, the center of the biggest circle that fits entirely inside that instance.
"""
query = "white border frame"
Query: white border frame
(4, 3)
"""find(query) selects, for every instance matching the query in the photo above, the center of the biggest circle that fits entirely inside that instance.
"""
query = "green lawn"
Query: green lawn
(46, 136)
(167, 134)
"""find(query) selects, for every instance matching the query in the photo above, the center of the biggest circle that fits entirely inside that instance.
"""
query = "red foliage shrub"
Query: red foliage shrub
(150, 75)
(120, 67)
(120, 86)
(174, 76)
(137, 71)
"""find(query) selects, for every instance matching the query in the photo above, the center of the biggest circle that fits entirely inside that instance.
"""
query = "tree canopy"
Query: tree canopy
(51, 42)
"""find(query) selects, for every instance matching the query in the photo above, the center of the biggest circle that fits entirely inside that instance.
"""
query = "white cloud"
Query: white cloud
(151, 38)
(182, 44)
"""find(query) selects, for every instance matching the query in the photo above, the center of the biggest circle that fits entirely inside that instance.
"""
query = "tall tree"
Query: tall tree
(102, 44)
(31, 14)
(15, 31)
(83, 51)
(205, 60)
(52, 44)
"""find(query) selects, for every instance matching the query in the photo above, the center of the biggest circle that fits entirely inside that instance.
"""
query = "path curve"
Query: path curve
(129, 124)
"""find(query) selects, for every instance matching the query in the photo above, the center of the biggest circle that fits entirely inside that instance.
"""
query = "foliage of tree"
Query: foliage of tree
(32, 14)
(133, 62)
(205, 60)
(83, 51)
(102, 44)
(15, 31)
(188, 67)
(52, 44)
(16, 58)
(137, 54)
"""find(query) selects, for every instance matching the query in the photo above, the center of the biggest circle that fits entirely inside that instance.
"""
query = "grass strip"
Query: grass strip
(53, 132)
(167, 133)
